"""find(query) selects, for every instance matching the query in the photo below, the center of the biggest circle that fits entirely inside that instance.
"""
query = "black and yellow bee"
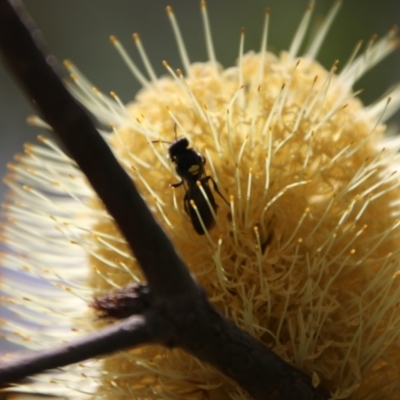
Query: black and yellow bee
(189, 165)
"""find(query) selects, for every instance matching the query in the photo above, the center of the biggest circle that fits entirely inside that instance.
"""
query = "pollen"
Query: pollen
(304, 256)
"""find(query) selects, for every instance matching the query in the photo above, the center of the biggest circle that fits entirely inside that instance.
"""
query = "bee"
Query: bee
(189, 165)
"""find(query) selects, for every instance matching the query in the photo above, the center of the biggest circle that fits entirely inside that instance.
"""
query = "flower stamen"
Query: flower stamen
(200, 186)
(240, 68)
(323, 30)
(205, 230)
(129, 62)
(191, 95)
(300, 33)
(179, 40)
(208, 37)
(320, 96)
(145, 59)
(263, 47)
(233, 215)
(258, 248)
(220, 269)
(246, 212)
(267, 125)
(287, 89)
(213, 130)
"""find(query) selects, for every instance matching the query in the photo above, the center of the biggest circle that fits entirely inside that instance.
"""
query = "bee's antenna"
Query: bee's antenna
(160, 141)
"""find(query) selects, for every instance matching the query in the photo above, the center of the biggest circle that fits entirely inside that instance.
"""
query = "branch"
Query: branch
(178, 313)
(131, 332)
(194, 326)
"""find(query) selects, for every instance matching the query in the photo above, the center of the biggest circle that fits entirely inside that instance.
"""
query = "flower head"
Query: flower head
(304, 255)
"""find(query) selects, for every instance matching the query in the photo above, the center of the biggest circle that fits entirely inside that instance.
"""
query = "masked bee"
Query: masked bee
(189, 165)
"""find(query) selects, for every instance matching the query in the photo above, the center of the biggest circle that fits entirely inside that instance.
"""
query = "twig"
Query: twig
(130, 332)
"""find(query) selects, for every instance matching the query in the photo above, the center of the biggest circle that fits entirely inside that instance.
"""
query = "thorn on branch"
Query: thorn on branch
(131, 299)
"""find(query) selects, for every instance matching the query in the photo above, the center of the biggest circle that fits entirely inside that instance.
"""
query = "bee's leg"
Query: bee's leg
(206, 179)
(175, 185)
(186, 204)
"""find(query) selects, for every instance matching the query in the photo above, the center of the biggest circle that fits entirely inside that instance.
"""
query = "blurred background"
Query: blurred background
(79, 30)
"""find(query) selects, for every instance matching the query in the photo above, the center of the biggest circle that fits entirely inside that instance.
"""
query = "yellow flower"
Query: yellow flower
(305, 256)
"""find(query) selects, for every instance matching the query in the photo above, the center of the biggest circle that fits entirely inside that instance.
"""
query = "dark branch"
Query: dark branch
(130, 332)
(198, 328)
(178, 314)
(129, 300)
